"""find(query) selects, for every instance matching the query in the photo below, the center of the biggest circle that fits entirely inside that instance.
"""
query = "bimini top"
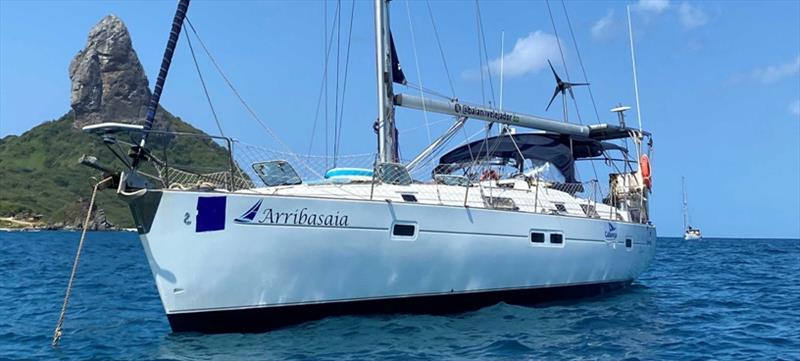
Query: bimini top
(547, 147)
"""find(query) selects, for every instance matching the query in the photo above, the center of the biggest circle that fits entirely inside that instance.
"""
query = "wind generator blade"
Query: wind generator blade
(558, 79)
(571, 94)
(558, 89)
(578, 84)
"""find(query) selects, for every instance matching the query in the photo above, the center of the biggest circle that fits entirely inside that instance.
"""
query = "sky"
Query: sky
(719, 82)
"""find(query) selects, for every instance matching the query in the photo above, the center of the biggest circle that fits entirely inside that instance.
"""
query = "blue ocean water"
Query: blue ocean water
(717, 298)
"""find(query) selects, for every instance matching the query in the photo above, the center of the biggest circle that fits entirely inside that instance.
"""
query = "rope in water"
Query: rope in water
(57, 332)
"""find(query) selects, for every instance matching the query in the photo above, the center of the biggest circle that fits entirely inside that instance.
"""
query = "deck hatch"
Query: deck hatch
(276, 173)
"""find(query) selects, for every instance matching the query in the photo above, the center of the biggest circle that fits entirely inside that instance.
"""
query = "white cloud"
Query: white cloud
(652, 6)
(769, 74)
(529, 55)
(773, 73)
(794, 108)
(602, 28)
(691, 16)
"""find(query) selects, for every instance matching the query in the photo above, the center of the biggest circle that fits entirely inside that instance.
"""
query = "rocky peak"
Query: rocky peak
(108, 81)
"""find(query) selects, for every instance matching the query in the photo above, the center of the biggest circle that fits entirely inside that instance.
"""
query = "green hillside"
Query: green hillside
(40, 174)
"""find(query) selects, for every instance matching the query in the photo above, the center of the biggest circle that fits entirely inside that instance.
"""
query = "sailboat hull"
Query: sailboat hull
(261, 319)
(236, 262)
(692, 237)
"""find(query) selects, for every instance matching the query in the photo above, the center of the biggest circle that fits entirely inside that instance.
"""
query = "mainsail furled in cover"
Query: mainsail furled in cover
(397, 71)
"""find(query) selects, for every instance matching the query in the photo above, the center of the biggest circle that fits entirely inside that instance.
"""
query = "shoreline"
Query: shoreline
(11, 224)
(63, 229)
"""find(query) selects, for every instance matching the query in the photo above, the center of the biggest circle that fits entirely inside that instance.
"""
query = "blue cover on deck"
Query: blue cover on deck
(348, 172)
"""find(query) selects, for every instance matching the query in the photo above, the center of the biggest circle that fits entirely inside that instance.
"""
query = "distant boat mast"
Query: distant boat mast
(685, 205)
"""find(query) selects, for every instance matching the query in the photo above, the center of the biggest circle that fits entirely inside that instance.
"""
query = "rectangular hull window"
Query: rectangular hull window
(404, 230)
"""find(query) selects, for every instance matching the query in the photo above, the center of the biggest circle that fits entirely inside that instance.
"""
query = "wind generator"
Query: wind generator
(562, 87)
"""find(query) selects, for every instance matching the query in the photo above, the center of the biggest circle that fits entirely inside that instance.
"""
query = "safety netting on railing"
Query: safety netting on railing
(174, 178)
(487, 185)
(256, 162)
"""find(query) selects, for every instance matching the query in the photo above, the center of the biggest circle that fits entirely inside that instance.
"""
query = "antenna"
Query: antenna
(505, 128)
(620, 110)
(633, 62)
(502, 60)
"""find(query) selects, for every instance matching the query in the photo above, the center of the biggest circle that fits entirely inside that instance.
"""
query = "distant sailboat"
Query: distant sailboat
(689, 233)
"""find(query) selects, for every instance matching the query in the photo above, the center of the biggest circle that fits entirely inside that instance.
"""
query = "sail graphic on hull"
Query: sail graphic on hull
(248, 216)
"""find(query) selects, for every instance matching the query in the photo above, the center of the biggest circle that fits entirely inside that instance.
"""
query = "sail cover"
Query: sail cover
(547, 147)
(397, 71)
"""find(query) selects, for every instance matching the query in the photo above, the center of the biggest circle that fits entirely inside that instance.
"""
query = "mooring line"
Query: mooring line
(57, 332)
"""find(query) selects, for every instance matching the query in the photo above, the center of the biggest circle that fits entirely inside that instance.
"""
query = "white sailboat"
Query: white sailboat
(257, 245)
(689, 233)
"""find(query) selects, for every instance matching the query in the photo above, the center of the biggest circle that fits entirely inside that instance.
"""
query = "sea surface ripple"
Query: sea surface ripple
(712, 299)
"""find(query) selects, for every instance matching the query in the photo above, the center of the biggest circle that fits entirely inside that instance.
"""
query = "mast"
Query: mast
(387, 142)
(685, 205)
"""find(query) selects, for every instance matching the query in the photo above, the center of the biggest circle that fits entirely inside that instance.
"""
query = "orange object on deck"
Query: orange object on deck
(644, 165)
